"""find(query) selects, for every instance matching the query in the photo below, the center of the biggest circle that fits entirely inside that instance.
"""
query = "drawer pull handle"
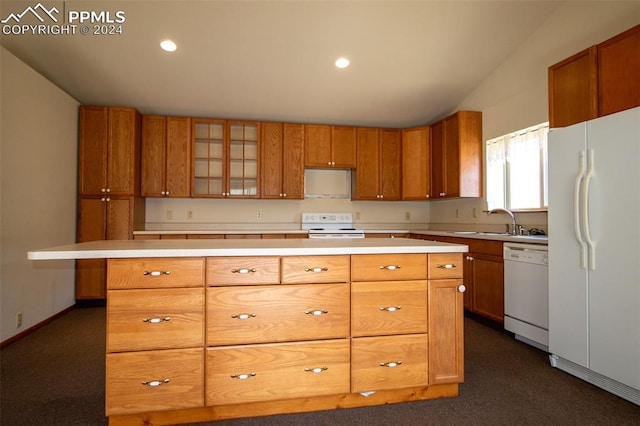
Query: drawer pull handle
(390, 308)
(446, 266)
(316, 312)
(317, 269)
(244, 376)
(156, 320)
(156, 273)
(390, 267)
(243, 270)
(243, 316)
(392, 364)
(316, 370)
(155, 383)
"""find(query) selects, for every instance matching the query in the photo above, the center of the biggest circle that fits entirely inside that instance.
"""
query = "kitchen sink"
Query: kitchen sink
(478, 233)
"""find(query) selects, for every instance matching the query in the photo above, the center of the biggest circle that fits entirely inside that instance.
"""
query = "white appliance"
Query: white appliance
(594, 252)
(526, 293)
(330, 225)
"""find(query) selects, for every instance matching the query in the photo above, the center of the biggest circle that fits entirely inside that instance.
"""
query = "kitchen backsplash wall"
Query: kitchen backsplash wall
(198, 213)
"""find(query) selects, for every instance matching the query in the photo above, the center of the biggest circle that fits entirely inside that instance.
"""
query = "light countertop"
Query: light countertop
(220, 247)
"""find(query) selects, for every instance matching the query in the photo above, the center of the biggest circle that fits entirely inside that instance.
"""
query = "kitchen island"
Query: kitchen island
(201, 330)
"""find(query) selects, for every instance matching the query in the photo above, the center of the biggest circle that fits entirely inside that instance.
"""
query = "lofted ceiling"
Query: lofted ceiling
(411, 62)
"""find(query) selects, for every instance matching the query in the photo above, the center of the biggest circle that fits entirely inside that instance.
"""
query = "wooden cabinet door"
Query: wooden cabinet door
(343, 147)
(618, 72)
(390, 164)
(446, 332)
(415, 163)
(573, 89)
(92, 158)
(488, 286)
(122, 170)
(317, 145)
(367, 165)
(469, 157)
(178, 157)
(154, 155)
(293, 161)
(271, 160)
(437, 160)
(452, 156)
(119, 218)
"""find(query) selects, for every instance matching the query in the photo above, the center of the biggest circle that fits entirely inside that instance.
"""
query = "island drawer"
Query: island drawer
(277, 313)
(388, 307)
(138, 382)
(243, 270)
(386, 267)
(243, 374)
(155, 272)
(155, 319)
(315, 269)
(445, 265)
(389, 362)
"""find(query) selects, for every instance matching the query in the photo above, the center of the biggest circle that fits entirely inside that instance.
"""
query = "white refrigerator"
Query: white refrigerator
(594, 252)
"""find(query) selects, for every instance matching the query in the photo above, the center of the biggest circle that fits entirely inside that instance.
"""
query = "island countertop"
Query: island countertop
(278, 247)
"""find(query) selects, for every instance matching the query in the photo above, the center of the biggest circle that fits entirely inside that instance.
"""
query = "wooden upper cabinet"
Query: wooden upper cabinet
(573, 90)
(330, 146)
(109, 151)
(600, 80)
(225, 158)
(343, 147)
(415, 163)
(456, 160)
(378, 164)
(282, 161)
(166, 156)
(619, 72)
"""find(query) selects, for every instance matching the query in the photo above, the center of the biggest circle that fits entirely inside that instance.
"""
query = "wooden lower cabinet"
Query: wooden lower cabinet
(251, 373)
(388, 362)
(190, 340)
(154, 380)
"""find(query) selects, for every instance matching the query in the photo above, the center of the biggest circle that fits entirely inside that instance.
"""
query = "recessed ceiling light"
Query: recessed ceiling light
(342, 62)
(168, 45)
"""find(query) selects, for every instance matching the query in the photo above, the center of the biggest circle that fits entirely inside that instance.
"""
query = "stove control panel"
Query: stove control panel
(327, 218)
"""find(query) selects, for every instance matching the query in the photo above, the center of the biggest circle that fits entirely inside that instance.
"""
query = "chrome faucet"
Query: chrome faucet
(514, 225)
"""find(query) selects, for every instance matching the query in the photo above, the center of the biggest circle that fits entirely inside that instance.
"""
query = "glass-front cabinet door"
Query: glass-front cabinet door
(243, 159)
(225, 158)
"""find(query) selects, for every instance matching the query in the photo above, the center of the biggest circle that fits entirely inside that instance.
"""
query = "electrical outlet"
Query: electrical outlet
(474, 213)
(169, 214)
(189, 214)
(259, 215)
(407, 215)
(19, 320)
(457, 213)
(357, 215)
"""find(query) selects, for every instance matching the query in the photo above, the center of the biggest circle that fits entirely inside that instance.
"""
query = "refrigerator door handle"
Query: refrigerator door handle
(585, 211)
(577, 216)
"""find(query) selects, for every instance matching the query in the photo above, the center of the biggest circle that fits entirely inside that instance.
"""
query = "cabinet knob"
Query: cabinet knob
(243, 376)
(391, 364)
(317, 269)
(243, 316)
(316, 312)
(446, 266)
(155, 383)
(470, 259)
(462, 288)
(155, 273)
(390, 267)
(243, 270)
(103, 190)
(316, 370)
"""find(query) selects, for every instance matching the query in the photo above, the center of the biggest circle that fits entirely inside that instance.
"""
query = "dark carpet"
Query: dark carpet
(55, 376)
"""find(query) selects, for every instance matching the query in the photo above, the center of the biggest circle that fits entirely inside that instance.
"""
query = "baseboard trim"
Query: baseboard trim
(35, 327)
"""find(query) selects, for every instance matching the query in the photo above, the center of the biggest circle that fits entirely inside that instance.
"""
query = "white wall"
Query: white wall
(515, 95)
(38, 164)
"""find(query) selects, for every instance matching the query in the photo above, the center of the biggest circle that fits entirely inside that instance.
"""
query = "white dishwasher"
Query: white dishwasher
(526, 293)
